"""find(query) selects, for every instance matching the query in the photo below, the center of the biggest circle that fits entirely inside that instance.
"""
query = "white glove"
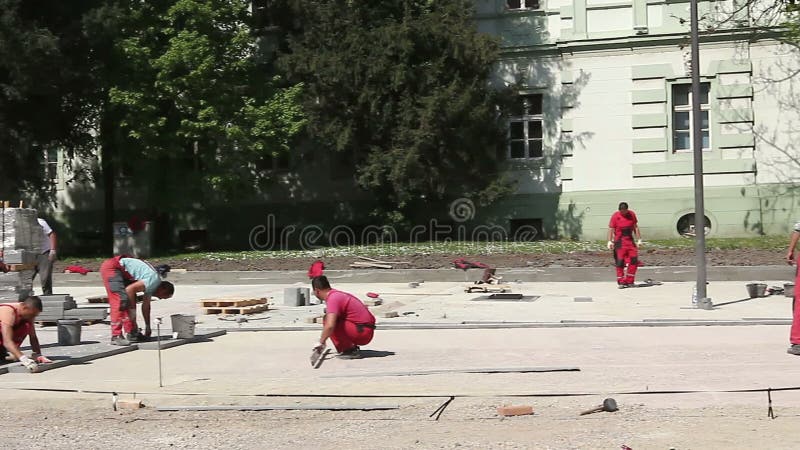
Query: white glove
(610, 245)
(319, 346)
(52, 256)
(639, 243)
(28, 363)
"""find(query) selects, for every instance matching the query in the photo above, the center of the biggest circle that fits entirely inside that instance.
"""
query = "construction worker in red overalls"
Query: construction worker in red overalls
(622, 228)
(794, 334)
(123, 277)
(16, 324)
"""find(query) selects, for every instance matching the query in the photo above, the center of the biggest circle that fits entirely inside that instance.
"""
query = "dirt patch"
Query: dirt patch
(652, 257)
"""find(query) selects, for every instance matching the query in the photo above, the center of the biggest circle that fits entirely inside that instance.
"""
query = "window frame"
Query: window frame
(526, 119)
(674, 109)
(524, 5)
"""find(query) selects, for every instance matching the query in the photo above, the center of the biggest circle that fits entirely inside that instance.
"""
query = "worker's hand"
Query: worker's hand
(790, 258)
(52, 256)
(319, 347)
(639, 242)
(28, 363)
(610, 245)
(43, 360)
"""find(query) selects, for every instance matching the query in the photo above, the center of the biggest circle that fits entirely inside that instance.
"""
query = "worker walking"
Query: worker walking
(123, 277)
(16, 324)
(622, 228)
(46, 258)
(794, 334)
(348, 322)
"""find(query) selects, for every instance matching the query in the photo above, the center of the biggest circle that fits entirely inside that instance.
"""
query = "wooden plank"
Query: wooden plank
(232, 302)
(20, 267)
(363, 265)
(487, 288)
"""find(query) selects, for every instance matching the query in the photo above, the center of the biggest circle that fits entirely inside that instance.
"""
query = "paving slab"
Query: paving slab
(167, 341)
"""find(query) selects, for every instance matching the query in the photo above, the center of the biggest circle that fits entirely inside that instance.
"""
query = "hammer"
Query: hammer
(609, 405)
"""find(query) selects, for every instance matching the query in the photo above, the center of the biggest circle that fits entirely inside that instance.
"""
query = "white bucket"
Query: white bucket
(182, 326)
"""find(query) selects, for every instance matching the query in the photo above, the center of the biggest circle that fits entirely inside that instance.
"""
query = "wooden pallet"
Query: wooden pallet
(232, 302)
(238, 310)
(20, 267)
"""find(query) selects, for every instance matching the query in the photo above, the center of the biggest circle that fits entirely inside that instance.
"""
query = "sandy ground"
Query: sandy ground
(647, 257)
(243, 368)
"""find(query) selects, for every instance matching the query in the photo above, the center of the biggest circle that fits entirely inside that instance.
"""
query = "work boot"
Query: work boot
(133, 337)
(794, 349)
(119, 340)
(353, 353)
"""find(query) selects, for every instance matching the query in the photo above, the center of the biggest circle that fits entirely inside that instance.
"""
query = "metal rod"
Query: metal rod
(697, 145)
(158, 339)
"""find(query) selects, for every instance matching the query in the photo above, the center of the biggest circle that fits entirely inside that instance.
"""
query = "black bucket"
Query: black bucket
(757, 290)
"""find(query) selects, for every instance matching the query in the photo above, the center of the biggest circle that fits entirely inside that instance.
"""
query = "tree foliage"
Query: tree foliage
(43, 84)
(187, 82)
(402, 87)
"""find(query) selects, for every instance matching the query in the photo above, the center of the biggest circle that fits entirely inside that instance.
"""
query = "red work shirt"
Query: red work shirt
(348, 307)
(623, 225)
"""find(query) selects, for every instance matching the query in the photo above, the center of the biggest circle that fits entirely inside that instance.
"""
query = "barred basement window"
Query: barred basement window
(682, 116)
(517, 5)
(525, 128)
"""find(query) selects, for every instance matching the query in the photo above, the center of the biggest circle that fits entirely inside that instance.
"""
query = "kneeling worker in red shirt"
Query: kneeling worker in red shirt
(348, 322)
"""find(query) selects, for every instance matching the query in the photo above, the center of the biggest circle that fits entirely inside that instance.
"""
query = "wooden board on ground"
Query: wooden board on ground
(238, 310)
(102, 298)
(487, 288)
(232, 302)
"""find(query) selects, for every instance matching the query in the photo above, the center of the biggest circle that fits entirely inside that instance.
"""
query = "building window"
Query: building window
(682, 116)
(516, 5)
(51, 165)
(525, 128)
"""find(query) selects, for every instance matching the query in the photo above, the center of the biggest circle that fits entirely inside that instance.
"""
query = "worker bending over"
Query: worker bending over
(123, 277)
(16, 323)
(348, 322)
(621, 229)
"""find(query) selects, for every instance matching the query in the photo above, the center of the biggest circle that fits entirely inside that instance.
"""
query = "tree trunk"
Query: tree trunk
(108, 144)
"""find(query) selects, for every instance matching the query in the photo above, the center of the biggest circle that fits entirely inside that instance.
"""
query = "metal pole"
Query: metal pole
(158, 338)
(697, 146)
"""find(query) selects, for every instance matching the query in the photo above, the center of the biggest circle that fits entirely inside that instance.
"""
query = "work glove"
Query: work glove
(319, 347)
(52, 256)
(28, 363)
(610, 245)
(639, 243)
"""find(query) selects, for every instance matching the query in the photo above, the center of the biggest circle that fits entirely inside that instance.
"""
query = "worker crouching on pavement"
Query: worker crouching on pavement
(348, 322)
(621, 229)
(16, 323)
(794, 334)
(123, 277)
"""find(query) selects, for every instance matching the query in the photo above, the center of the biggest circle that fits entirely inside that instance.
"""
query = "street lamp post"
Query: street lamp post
(697, 146)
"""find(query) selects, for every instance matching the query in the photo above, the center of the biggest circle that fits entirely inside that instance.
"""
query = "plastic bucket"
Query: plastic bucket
(182, 326)
(69, 331)
(757, 290)
(788, 289)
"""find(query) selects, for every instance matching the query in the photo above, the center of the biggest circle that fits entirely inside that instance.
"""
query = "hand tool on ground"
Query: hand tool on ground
(609, 405)
(316, 354)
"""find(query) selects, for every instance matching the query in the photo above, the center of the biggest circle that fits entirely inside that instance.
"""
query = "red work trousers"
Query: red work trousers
(626, 255)
(114, 279)
(794, 336)
(347, 335)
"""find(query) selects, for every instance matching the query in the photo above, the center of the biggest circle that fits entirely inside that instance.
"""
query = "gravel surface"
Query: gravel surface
(89, 423)
(647, 257)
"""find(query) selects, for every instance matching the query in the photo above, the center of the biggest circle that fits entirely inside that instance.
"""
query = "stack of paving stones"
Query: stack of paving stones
(21, 238)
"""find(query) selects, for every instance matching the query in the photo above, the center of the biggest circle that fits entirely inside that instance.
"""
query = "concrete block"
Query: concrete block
(294, 297)
(390, 315)
(519, 410)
